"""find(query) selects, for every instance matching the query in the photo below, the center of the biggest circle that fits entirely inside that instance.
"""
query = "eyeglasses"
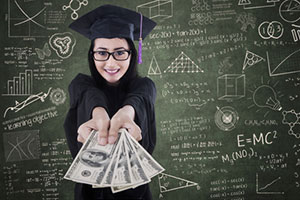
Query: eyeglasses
(119, 55)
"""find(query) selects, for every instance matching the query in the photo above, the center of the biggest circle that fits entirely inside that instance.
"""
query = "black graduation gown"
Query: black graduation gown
(84, 97)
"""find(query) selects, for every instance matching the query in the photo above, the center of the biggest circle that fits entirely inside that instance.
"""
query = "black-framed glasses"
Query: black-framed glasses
(119, 55)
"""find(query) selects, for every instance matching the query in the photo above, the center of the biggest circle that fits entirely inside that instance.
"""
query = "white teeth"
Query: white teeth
(111, 70)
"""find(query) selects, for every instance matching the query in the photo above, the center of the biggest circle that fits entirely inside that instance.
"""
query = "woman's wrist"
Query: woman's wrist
(128, 110)
(98, 111)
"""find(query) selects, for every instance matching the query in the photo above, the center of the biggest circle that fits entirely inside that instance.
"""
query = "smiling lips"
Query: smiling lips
(111, 71)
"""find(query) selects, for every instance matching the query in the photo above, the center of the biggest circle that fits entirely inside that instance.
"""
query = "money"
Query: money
(121, 166)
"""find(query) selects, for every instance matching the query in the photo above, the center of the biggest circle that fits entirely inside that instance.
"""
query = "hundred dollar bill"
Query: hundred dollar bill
(151, 167)
(122, 173)
(138, 172)
(91, 162)
(108, 176)
(139, 176)
(122, 165)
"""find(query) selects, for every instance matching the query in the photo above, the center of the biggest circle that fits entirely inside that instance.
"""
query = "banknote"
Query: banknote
(122, 173)
(108, 176)
(137, 169)
(139, 176)
(91, 162)
(121, 166)
(151, 166)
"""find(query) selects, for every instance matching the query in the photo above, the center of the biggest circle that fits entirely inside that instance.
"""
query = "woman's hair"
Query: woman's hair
(130, 74)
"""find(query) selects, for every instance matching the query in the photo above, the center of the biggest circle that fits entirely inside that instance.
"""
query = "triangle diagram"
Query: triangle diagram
(169, 183)
(154, 68)
(244, 2)
(251, 59)
(183, 64)
(289, 65)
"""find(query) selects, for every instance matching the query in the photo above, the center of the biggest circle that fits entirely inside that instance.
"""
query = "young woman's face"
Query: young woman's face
(111, 70)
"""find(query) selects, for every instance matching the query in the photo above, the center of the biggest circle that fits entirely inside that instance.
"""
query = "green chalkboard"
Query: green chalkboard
(227, 108)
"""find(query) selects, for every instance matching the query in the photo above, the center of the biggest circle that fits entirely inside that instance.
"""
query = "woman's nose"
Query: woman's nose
(111, 60)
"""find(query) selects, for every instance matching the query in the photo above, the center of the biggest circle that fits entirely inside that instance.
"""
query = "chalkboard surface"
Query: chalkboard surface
(227, 109)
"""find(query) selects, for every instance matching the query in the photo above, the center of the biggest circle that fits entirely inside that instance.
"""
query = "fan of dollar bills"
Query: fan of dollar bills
(122, 165)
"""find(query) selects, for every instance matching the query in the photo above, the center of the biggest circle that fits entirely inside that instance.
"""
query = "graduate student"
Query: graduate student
(114, 96)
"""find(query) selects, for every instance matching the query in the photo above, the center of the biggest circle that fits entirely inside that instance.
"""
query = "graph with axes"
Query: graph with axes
(25, 19)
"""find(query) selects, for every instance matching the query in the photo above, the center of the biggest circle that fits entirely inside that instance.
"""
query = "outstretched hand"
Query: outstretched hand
(108, 128)
(100, 122)
(124, 118)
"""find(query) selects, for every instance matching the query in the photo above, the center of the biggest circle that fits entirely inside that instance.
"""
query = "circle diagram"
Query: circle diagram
(58, 96)
(289, 10)
(226, 118)
(269, 30)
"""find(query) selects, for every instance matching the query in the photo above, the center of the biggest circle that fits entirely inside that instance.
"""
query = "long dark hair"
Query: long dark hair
(130, 74)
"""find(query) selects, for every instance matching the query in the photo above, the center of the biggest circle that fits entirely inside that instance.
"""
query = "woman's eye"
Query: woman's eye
(119, 53)
(102, 53)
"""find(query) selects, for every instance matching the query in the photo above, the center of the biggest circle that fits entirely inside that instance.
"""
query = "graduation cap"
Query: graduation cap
(109, 21)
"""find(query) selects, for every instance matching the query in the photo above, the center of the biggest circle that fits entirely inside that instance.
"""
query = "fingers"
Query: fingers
(134, 130)
(115, 125)
(94, 124)
(122, 120)
(80, 139)
(108, 129)
(102, 127)
(102, 136)
(84, 130)
(102, 121)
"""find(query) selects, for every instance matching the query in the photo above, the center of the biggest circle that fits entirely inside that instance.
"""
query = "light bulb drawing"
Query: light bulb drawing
(265, 97)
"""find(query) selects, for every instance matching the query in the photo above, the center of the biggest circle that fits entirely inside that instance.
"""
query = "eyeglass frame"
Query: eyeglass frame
(111, 54)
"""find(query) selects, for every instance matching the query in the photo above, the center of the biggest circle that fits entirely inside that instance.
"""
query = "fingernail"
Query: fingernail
(102, 141)
(111, 139)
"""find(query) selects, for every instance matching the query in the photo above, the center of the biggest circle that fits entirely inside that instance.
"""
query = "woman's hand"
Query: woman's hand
(124, 118)
(100, 121)
(108, 128)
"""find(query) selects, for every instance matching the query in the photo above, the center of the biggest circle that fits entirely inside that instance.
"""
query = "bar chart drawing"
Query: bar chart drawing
(20, 85)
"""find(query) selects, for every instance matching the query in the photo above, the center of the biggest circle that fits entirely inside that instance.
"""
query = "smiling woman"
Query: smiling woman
(114, 96)
(111, 68)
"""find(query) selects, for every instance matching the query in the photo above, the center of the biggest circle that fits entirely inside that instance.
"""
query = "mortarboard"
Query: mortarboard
(110, 21)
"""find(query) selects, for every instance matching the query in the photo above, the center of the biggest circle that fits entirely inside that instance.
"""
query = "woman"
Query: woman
(114, 96)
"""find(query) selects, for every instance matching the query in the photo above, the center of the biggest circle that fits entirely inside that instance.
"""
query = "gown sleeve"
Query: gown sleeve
(141, 96)
(84, 97)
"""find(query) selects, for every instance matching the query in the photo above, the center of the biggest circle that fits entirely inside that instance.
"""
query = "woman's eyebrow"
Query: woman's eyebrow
(117, 48)
(101, 48)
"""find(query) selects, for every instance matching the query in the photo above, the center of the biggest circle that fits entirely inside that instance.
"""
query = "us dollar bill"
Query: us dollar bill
(151, 167)
(122, 173)
(139, 176)
(108, 176)
(91, 162)
(121, 166)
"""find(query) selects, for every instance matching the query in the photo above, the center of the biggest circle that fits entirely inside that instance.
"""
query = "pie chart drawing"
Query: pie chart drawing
(289, 10)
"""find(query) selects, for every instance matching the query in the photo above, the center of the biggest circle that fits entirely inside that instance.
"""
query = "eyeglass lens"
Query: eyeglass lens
(117, 55)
